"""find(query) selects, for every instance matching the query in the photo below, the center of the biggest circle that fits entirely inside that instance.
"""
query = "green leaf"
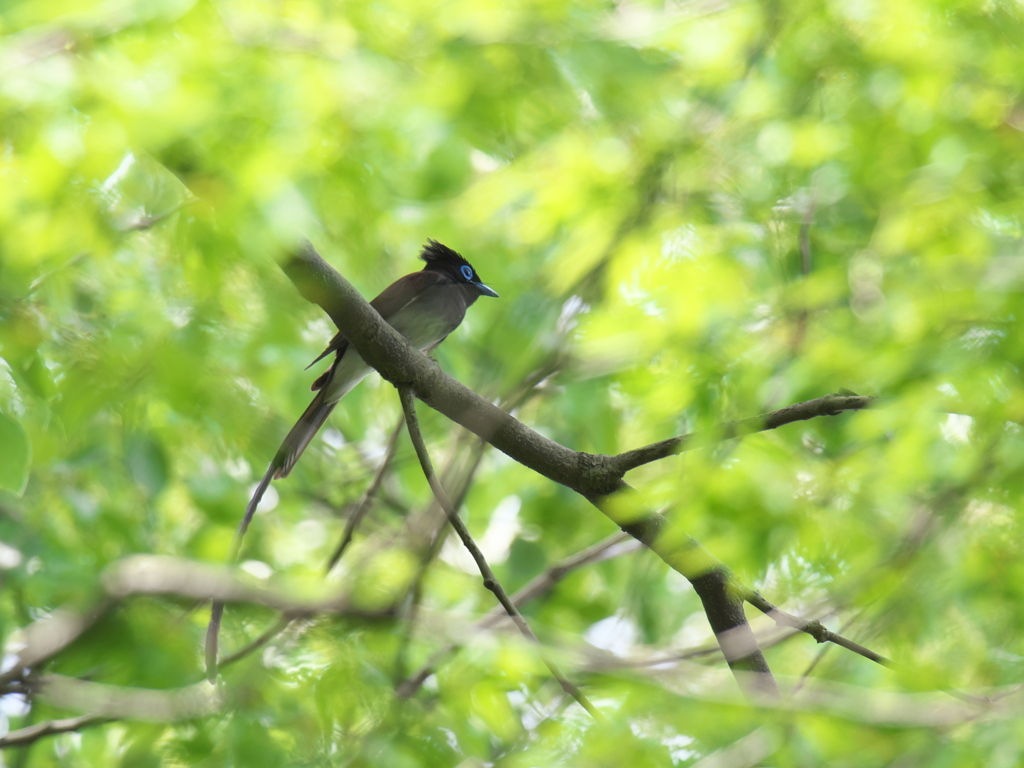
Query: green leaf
(15, 454)
(147, 462)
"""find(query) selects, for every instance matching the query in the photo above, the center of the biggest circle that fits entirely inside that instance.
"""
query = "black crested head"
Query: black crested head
(441, 258)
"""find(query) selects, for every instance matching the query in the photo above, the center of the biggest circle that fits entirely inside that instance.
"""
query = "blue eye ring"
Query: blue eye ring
(467, 271)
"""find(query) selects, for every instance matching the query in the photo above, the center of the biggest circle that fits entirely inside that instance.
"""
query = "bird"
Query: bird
(423, 306)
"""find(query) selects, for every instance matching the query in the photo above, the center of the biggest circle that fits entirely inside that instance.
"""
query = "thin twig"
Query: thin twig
(829, 405)
(436, 538)
(490, 581)
(814, 628)
(25, 736)
(805, 676)
(518, 397)
(538, 586)
(367, 499)
(282, 623)
(147, 221)
(521, 393)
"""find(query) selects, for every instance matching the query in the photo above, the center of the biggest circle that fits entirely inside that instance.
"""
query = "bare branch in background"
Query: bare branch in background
(32, 733)
(169, 577)
(829, 405)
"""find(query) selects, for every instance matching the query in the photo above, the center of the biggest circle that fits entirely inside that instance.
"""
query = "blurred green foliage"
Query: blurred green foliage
(694, 212)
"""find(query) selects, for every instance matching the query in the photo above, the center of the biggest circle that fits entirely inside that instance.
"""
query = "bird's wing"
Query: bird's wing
(389, 303)
(406, 290)
(339, 342)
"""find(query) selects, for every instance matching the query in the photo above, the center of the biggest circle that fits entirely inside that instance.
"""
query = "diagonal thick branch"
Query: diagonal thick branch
(387, 351)
(591, 475)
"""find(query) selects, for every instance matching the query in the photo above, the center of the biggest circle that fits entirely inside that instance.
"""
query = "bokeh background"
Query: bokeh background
(694, 212)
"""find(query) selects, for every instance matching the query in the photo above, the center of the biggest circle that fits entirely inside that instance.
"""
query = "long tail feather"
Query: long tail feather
(284, 460)
(305, 428)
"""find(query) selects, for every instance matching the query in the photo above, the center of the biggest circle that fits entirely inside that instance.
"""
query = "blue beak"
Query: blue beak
(486, 290)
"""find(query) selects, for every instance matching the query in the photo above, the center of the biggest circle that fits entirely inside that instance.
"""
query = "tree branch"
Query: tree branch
(814, 628)
(166, 576)
(829, 405)
(596, 477)
(25, 736)
(120, 702)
